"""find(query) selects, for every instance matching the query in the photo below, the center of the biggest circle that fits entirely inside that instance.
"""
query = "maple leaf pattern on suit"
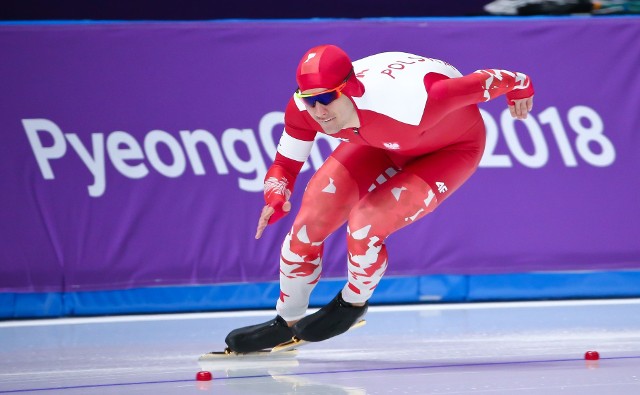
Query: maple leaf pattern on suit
(277, 186)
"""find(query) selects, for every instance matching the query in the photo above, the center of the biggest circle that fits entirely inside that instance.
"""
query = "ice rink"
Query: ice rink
(484, 348)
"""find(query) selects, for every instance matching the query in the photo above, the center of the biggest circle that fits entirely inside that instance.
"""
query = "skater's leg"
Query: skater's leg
(392, 206)
(329, 197)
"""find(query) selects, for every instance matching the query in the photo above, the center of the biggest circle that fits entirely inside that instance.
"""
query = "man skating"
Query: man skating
(412, 135)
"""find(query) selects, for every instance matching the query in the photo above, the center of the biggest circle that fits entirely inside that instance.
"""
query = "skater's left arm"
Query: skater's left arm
(448, 94)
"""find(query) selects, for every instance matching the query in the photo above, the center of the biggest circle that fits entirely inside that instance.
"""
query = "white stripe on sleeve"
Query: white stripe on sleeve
(294, 148)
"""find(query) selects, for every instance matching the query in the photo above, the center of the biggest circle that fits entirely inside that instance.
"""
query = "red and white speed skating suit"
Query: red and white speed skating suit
(421, 137)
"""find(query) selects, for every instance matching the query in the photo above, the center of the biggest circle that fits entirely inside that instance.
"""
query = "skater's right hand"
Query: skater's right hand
(267, 212)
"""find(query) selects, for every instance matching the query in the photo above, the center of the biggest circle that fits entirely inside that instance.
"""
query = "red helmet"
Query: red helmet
(327, 66)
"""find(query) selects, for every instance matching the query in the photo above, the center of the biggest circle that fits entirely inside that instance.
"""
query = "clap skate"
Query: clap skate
(332, 320)
(275, 336)
(254, 340)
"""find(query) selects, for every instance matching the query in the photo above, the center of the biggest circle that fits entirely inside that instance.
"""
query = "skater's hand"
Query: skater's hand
(520, 99)
(267, 212)
(521, 107)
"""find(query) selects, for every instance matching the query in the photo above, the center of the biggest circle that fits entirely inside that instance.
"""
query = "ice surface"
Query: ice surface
(496, 348)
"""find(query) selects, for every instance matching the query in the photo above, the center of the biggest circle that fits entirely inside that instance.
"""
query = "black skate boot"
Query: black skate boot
(331, 320)
(259, 337)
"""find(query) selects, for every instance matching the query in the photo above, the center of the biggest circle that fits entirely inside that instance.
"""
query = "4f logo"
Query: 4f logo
(441, 187)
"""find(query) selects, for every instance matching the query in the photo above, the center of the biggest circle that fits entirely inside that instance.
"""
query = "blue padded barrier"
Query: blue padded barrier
(392, 290)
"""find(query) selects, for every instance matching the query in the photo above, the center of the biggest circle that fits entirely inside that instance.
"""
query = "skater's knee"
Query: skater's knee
(364, 223)
(301, 244)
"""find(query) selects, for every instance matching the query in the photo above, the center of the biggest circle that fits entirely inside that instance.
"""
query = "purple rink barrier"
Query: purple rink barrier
(133, 154)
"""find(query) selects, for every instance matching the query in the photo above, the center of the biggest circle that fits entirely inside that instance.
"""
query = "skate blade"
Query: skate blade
(294, 343)
(289, 346)
(229, 354)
